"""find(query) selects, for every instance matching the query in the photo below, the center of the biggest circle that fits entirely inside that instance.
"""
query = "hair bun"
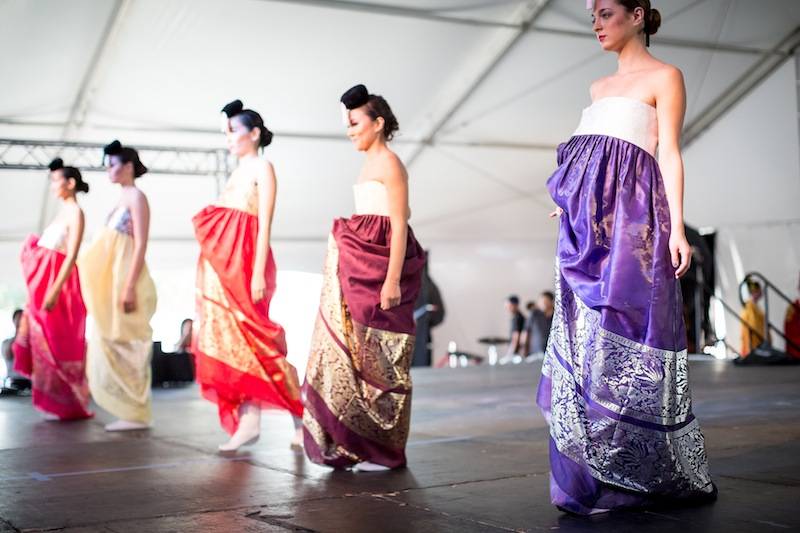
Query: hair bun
(139, 169)
(266, 137)
(355, 96)
(83, 187)
(653, 22)
(56, 164)
(232, 109)
(113, 148)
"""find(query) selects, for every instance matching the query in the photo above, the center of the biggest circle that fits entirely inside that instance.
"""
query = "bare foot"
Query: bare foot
(239, 439)
(248, 431)
(297, 440)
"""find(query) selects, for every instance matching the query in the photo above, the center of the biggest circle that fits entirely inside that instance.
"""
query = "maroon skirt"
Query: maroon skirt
(358, 389)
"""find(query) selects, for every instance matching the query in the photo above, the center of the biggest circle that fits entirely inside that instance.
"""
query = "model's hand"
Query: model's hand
(680, 253)
(258, 289)
(128, 300)
(557, 213)
(390, 294)
(51, 298)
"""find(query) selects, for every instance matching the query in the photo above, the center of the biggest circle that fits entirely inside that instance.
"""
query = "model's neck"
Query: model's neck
(632, 57)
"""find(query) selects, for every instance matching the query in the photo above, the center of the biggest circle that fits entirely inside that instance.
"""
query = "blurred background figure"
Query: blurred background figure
(791, 327)
(174, 369)
(429, 313)
(753, 331)
(537, 328)
(184, 344)
(10, 381)
(517, 326)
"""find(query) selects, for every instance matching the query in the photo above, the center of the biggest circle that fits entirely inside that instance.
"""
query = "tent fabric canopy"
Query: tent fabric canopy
(482, 96)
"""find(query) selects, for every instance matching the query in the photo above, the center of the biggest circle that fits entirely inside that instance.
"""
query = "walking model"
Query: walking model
(239, 352)
(358, 388)
(615, 379)
(50, 346)
(121, 298)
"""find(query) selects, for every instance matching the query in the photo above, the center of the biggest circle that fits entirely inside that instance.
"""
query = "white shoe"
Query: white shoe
(50, 417)
(366, 466)
(126, 425)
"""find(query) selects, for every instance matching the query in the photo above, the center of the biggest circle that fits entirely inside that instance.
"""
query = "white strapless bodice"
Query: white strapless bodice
(54, 237)
(624, 118)
(371, 198)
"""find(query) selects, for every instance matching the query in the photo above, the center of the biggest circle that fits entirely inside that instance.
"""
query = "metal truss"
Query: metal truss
(20, 154)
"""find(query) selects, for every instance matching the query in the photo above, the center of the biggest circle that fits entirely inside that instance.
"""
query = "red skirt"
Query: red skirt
(50, 347)
(240, 353)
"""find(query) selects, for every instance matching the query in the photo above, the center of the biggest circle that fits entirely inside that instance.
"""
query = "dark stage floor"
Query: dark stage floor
(478, 462)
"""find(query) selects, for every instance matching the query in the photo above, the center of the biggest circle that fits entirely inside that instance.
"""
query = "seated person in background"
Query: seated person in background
(9, 377)
(184, 369)
(171, 368)
(537, 328)
(752, 316)
(515, 333)
(791, 328)
(184, 344)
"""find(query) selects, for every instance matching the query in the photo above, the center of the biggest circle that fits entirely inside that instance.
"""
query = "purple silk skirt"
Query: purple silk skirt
(614, 385)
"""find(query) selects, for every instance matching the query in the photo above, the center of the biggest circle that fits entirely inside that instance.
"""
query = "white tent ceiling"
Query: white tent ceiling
(492, 95)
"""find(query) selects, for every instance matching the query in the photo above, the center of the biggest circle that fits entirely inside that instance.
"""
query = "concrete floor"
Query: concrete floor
(477, 462)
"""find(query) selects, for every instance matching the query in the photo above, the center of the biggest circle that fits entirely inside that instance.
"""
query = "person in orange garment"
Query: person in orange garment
(752, 316)
(791, 328)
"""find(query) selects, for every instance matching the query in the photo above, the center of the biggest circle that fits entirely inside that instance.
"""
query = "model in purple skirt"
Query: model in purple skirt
(615, 386)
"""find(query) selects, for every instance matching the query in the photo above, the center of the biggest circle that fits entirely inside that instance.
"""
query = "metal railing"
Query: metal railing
(23, 154)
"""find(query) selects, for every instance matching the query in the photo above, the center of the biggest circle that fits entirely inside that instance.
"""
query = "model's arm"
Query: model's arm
(670, 108)
(267, 188)
(396, 182)
(140, 217)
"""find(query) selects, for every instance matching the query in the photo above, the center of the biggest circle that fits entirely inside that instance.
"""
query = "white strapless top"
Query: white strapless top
(371, 198)
(54, 237)
(624, 118)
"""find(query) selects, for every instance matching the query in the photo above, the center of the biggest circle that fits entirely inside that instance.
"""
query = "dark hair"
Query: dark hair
(513, 299)
(377, 106)
(17, 312)
(652, 17)
(250, 119)
(126, 154)
(753, 286)
(549, 295)
(70, 173)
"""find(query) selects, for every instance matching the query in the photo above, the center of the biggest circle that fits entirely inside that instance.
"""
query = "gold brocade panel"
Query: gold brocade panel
(356, 387)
